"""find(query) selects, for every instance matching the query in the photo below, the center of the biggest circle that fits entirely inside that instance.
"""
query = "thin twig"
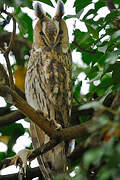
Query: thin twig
(83, 49)
(6, 52)
(9, 71)
(43, 149)
(5, 80)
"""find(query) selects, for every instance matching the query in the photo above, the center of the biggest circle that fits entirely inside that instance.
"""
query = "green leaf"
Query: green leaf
(91, 57)
(99, 5)
(112, 57)
(116, 35)
(92, 156)
(2, 155)
(104, 173)
(90, 12)
(64, 1)
(112, 16)
(80, 4)
(103, 48)
(99, 123)
(116, 74)
(13, 130)
(93, 72)
(47, 2)
(24, 24)
(77, 90)
(83, 38)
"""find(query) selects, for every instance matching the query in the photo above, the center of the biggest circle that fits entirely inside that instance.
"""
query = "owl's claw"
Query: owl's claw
(21, 160)
(55, 124)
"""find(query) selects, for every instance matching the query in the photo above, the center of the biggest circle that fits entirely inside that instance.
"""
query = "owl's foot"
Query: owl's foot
(21, 160)
(53, 123)
(56, 125)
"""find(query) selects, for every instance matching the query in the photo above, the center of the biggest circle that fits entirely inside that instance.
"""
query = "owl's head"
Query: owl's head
(47, 30)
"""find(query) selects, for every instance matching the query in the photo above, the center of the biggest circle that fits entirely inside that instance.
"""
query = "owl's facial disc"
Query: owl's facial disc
(51, 31)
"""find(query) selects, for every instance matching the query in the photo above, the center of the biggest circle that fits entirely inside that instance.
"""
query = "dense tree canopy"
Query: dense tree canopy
(97, 112)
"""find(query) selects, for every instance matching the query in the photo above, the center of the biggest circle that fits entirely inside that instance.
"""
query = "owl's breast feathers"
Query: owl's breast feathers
(49, 74)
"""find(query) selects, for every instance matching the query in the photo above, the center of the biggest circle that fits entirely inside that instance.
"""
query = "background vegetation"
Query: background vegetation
(97, 153)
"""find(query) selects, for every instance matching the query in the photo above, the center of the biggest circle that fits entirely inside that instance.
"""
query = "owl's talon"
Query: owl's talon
(21, 159)
(56, 125)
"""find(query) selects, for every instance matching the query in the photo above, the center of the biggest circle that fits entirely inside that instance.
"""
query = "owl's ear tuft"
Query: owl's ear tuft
(39, 11)
(60, 10)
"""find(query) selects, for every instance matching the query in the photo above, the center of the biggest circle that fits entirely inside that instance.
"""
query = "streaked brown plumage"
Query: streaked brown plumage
(48, 84)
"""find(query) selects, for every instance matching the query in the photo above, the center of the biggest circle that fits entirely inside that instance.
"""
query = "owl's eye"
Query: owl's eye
(41, 33)
(60, 32)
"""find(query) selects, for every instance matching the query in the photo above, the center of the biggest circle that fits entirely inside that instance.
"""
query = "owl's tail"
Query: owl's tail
(35, 141)
(52, 162)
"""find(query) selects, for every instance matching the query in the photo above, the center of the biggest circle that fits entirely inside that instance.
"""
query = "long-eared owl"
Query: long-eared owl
(48, 84)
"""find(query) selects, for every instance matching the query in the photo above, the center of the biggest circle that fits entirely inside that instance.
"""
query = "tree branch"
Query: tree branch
(12, 97)
(39, 119)
(5, 80)
(6, 52)
(43, 149)
(83, 49)
(4, 110)
(31, 173)
(10, 118)
(5, 37)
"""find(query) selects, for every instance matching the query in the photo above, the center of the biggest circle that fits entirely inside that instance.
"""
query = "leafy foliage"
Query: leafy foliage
(99, 46)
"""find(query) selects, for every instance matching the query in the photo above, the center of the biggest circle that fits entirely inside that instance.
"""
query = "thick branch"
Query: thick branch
(27, 110)
(79, 150)
(4, 110)
(66, 135)
(10, 118)
(77, 131)
(31, 173)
